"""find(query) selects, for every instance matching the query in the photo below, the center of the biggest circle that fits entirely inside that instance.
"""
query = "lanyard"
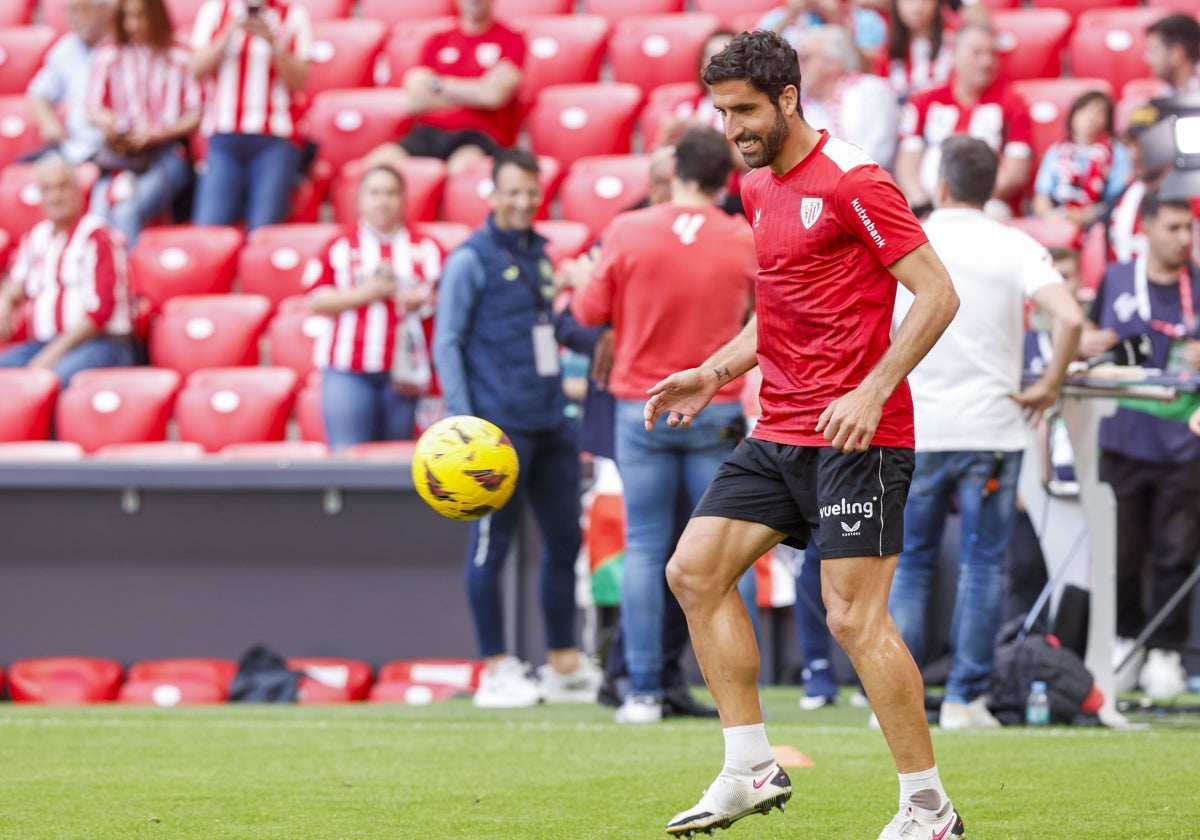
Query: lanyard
(1141, 289)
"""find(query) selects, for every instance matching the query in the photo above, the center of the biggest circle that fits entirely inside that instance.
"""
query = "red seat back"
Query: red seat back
(27, 396)
(275, 259)
(64, 680)
(22, 49)
(200, 331)
(573, 121)
(117, 405)
(184, 260)
(220, 406)
(653, 50)
(598, 188)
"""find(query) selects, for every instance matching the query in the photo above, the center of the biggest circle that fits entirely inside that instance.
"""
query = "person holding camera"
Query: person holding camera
(676, 281)
(253, 57)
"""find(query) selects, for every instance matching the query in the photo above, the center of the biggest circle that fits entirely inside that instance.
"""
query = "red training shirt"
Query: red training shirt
(825, 233)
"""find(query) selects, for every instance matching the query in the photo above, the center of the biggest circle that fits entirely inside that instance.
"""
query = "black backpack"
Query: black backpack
(263, 677)
(1021, 660)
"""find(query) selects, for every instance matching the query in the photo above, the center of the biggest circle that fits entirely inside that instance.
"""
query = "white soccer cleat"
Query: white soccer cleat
(507, 685)
(916, 823)
(579, 686)
(732, 797)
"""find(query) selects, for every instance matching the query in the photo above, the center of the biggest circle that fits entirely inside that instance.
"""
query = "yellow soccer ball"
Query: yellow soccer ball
(464, 467)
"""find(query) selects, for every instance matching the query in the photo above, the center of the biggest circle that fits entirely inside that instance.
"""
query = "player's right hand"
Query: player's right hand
(681, 396)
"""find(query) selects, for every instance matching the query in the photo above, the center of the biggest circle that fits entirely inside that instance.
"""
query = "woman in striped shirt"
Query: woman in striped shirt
(143, 96)
(377, 286)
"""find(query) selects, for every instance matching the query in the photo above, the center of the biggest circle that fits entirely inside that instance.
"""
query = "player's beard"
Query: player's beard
(768, 146)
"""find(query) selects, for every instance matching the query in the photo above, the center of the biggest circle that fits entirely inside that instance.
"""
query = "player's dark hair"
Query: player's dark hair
(1086, 99)
(514, 157)
(386, 170)
(702, 155)
(760, 58)
(969, 169)
(1153, 201)
(1181, 30)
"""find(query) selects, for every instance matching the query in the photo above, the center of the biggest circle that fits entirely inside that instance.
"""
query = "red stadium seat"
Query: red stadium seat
(17, 12)
(323, 10)
(424, 179)
(307, 197)
(331, 679)
(467, 196)
(27, 395)
(346, 124)
(403, 48)
(1054, 232)
(173, 682)
(573, 121)
(200, 331)
(567, 238)
(275, 258)
(160, 451)
(20, 198)
(598, 188)
(411, 693)
(220, 406)
(64, 680)
(1031, 42)
(1049, 101)
(381, 450)
(344, 53)
(277, 451)
(392, 12)
(462, 674)
(1111, 44)
(560, 50)
(22, 49)
(653, 50)
(1077, 7)
(18, 130)
(1144, 89)
(448, 235)
(617, 10)
(33, 451)
(292, 333)
(729, 11)
(308, 410)
(509, 11)
(116, 405)
(184, 260)
(665, 101)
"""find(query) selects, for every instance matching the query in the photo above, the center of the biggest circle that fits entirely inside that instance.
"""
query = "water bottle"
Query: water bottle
(1037, 707)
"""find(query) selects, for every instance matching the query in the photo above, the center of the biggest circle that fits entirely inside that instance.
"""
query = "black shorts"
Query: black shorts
(852, 504)
(427, 141)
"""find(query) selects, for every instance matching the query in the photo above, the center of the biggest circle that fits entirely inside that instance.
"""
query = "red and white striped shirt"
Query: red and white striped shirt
(145, 88)
(73, 274)
(246, 95)
(364, 340)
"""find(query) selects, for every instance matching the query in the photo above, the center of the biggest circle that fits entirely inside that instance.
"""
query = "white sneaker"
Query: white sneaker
(640, 708)
(916, 823)
(732, 797)
(1163, 676)
(507, 685)
(1127, 678)
(973, 715)
(579, 686)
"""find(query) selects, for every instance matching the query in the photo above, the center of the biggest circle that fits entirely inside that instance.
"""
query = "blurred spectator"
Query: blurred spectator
(497, 358)
(71, 269)
(853, 106)
(1124, 219)
(973, 102)
(920, 50)
(685, 261)
(463, 92)
(1153, 463)
(867, 27)
(1081, 177)
(253, 57)
(146, 101)
(377, 284)
(971, 416)
(1173, 52)
(62, 83)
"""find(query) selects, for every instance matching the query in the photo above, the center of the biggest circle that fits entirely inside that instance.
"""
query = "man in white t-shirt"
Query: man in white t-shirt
(972, 418)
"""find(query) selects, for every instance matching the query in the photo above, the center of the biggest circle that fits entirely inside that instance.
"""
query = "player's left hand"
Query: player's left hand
(849, 422)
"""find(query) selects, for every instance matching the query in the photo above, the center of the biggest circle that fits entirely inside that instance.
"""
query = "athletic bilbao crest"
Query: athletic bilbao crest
(810, 211)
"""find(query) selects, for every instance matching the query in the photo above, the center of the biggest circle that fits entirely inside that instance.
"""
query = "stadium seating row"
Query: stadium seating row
(193, 680)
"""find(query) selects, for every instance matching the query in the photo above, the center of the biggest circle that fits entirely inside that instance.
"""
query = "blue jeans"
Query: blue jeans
(549, 481)
(247, 175)
(987, 525)
(654, 465)
(98, 353)
(153, 192)
(363, 407)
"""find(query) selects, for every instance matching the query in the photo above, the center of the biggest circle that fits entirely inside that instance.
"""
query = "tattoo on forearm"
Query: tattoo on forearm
(723, 374)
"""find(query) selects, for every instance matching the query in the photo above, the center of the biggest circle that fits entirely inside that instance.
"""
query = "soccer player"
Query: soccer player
(832, 454)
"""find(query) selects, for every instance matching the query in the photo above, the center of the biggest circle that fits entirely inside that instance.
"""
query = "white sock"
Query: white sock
(926, 780)
(747, 750)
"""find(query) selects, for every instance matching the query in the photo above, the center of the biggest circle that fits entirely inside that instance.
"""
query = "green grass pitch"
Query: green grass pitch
(451, 771)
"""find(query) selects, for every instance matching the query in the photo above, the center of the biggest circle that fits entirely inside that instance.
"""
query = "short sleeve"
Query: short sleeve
(49, 84)
(874, 211)
(514, 49)
(204, 29)
(1035, 264)
(300, 32)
